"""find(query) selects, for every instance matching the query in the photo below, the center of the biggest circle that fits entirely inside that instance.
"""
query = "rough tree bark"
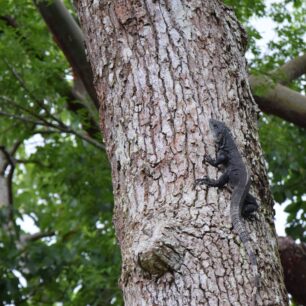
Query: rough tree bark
(293, 257)
(162, 69)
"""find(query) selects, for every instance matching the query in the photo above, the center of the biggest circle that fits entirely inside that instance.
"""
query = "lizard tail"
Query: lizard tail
(240, 229)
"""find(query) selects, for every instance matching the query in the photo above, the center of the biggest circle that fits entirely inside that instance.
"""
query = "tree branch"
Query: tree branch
(291, 71)
(279, 100)
(69, 37)
(15, 147)
(86, 138)
(38, 236)
(26, 110)
(31, 95)
(24, 119)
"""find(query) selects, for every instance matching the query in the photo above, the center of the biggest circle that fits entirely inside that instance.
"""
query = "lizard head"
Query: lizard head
(218, 129)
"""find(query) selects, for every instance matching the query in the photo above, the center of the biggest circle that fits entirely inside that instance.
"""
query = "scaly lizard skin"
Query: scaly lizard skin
(243, 204)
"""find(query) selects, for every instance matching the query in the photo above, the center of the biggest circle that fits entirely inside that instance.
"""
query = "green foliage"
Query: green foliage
(285, 149)
(290, 30)
(64, 185)
(245, 9)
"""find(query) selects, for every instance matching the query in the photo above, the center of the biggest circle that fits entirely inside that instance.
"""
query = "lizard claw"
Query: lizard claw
(208, 159)
(251, 217)
(201, 181)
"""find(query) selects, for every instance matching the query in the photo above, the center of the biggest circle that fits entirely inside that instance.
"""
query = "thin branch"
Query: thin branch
(29, 111)
(70, 38)
(88, 139)
(38, 236)
(45, 132)
(24, 119)
(68, 130)
(31, 95)
(29, 161)
(63, 129)
(60, 125)
(77, 134)
(15, 147)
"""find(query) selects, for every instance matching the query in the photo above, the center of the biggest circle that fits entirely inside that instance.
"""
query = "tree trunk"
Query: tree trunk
(293, 258)
(162, 69)
(6, 197)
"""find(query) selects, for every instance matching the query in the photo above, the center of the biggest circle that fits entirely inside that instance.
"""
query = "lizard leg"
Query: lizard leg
(249, 206)
(223, 179)
(221, 159)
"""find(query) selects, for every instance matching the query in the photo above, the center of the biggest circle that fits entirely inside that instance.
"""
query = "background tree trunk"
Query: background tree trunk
(4, 192)
(293, 257)
(6, 195)
(162, 69)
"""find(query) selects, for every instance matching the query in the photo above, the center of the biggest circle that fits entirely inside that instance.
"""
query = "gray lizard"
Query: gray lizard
(243, 204)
